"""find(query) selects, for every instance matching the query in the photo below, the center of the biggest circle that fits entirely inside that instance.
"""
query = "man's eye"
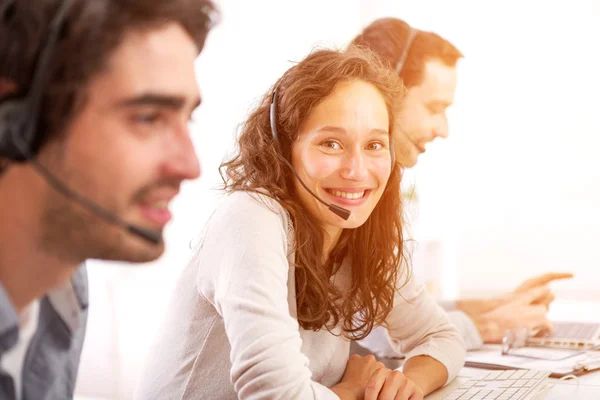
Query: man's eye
(375, 146)
(147, 118)
(436, 110)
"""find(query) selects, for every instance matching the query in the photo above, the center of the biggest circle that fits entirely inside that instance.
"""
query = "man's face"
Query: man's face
(128, 149)
(422, 116)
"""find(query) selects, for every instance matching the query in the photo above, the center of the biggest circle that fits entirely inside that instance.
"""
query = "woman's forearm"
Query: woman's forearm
(426, 372)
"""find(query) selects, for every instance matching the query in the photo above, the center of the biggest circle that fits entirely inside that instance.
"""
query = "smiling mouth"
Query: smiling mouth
(349, 198)
(156, 212)
(347, 195)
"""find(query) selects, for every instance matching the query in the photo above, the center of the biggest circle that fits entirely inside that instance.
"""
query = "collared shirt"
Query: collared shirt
(13, 359)
(50, 366)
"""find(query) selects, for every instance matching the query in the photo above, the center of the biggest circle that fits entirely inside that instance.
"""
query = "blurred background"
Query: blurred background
(513, 192)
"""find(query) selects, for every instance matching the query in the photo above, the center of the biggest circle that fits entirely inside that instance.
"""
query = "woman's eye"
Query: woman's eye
(331, 145)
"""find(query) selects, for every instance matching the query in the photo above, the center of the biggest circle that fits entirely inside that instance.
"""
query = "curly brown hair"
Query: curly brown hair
(375, 248)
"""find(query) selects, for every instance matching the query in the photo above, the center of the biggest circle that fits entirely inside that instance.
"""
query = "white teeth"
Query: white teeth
(161, 204)
(346, 195)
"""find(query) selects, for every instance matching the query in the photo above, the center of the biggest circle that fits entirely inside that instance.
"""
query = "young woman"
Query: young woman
(280, 284)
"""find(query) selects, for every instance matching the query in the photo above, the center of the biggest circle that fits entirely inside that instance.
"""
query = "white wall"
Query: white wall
(515, 190)
(512, 192)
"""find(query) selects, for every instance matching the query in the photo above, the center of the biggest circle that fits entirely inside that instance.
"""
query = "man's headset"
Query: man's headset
(412, 34)
(20, 133)
(337, 210)
(19, 117)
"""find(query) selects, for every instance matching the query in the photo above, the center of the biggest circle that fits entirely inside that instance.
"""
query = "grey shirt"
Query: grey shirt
(378, 342)
(465, 325)
(52, 359)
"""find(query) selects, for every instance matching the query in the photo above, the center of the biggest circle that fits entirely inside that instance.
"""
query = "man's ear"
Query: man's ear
(6, 88)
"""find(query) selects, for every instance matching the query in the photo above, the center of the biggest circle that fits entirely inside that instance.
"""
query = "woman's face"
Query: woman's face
(342, 153)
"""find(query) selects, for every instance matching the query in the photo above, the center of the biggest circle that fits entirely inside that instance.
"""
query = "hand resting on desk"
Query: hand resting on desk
(368, 379)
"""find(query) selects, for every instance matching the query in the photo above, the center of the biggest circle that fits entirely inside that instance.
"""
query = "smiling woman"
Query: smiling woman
(342, 152)
(279, 285)
(330, 123)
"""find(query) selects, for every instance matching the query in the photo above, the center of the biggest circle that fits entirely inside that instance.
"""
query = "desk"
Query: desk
(588, 388)
(560, 310)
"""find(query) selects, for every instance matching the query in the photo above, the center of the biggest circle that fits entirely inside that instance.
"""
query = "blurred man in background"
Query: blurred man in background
(427, 64)
(95, 97)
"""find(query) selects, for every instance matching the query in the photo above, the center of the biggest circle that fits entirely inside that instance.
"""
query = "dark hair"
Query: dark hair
(375, 247)
(388, 38)
(92, 30)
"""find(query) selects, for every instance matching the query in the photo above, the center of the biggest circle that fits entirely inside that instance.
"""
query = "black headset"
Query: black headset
(19, 116)
(20, 133)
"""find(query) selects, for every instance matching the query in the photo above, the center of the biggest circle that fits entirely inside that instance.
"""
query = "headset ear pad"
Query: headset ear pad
(13, 130)
(20, 135)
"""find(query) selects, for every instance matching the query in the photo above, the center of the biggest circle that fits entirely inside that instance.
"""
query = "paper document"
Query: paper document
(490, 356)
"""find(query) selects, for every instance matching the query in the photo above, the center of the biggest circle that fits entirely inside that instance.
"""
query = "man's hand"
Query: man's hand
(524, 310)
(542, 280)
(525, 306)
(476, 307)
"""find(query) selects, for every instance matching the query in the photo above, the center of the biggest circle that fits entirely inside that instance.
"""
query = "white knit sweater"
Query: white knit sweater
(231, 330)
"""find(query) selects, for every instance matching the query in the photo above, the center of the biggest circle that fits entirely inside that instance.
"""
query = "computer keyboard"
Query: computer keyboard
(501, 385)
